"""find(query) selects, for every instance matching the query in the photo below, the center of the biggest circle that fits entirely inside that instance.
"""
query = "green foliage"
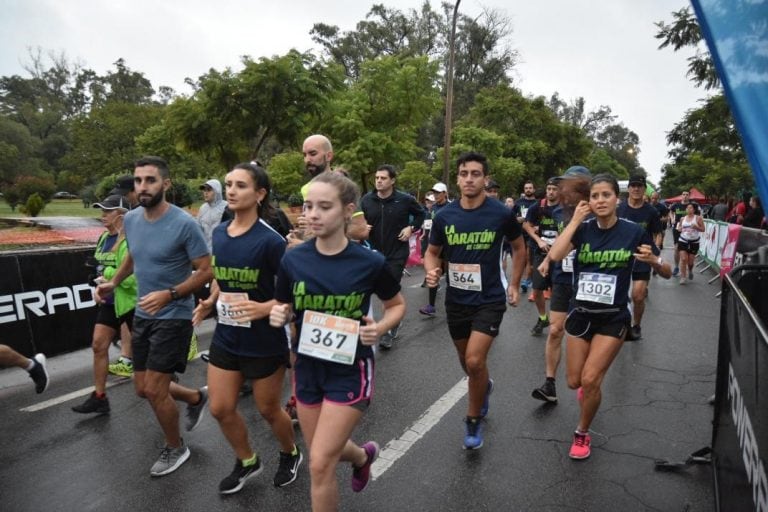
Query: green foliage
(12, 197)
(33, 206)
(25, 186)
(286, 172)
(104, 141)
(102, 189)
(231, 115)
(684, 32)
(18, 151)
(602, 162)
(180, 194)
(377, 120)
(159, 140)
(416, 178)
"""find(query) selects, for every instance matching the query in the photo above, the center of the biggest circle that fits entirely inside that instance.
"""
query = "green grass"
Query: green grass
(56, 208)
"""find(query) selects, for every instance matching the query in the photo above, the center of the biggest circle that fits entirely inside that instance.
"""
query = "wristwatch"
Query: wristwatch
(174, 294)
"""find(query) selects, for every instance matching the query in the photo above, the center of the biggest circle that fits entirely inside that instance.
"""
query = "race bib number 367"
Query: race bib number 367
(328, 337)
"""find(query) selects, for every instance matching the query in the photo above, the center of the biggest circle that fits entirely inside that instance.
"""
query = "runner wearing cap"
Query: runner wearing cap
(468, 235)
(111, 251)
(440, 194)
(124, 187)
(492, 189)
(606, 248)
(647, 217)
(573, 187)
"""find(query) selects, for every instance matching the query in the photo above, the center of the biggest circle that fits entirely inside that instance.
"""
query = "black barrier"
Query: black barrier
(46, 304)
(740, 426)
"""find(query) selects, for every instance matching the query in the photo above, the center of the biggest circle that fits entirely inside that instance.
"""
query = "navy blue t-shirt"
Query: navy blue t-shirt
(558, 275)
(475, 237)
(541, 217)
(248, 263)
(647, 217)
(340, 285)
(603, 264)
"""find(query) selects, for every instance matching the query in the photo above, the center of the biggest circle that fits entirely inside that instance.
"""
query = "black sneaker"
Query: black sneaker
(195, 412)
(538, 329)
(236, 479)
(93, 404)
(288, 469)
(634, 333)
(385, 342)
(39, 373)
(546, 393)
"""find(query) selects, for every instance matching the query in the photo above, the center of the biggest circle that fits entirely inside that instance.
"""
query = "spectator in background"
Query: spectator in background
(720, 210)
(754, 217)
(740, 210)
(211, 210)
(492, 189)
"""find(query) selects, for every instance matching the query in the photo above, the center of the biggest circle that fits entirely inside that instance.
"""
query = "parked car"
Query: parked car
(64, 195)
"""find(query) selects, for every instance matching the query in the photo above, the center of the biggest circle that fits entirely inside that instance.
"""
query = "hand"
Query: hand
(153, 302)
(512, 295)
(294, 238)
(247, 310)
(645, 254)
(103, 290)
(543, 246)
(433, 277)
(201, 312)
(581, 212)
(543, 268)
(369, 331)
(405, 234)
(279, 315)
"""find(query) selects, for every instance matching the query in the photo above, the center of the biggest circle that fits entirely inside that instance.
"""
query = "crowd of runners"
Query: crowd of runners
(297, 302)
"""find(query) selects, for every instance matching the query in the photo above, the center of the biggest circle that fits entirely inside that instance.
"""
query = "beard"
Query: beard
(314, 170)
(151, 201)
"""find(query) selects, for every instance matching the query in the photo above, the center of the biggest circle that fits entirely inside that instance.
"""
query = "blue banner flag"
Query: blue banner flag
(736, 32)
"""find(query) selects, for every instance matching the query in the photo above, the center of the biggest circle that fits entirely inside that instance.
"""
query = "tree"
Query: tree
(377, 120)
(706, 148)
(286, 171)
(231, 115)
(18, 151)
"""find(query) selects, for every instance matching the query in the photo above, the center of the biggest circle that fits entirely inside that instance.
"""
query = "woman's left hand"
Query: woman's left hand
(369, 331)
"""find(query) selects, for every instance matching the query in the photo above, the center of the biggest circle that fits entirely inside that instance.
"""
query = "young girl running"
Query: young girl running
(326, 284)
(606, 247)
(246, 256)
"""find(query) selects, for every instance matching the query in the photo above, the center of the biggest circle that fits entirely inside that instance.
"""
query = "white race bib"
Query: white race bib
(224, 311)
(524, 211)
(599, 288)
(568, 261)
(427, 225)
(328, 337)
(465, 276)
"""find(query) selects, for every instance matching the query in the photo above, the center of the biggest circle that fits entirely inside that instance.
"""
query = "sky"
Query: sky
(601, 50)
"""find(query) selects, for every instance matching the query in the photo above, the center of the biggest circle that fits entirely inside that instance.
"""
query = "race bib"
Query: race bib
(427, 225)
(523, 212)
(568, 261)
(328, 337)
(465, 276)
(224, 311)
(549, 236)
(599, 288)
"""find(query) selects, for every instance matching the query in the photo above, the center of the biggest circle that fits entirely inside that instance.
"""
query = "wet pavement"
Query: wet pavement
(654, 406)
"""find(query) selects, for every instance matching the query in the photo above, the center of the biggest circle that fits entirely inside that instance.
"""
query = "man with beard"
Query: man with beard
(393, 216)
(521, 210)
(467, 234)
(164, 244)
(645, 215)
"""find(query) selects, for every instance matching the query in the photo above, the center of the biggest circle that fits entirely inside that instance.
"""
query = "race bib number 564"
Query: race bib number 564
(328, 337)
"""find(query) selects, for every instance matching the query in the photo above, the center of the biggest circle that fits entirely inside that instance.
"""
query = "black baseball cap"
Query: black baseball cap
(637, 179)
(124, 185)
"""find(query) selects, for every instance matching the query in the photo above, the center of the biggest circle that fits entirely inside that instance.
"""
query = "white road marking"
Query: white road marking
(396, 448)
(70, 396)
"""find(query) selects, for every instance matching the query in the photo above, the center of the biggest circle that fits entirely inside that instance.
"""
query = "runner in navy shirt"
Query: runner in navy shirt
(246, 256)
(468, 235)
(647, 217)
(327, 283)
(606, 248)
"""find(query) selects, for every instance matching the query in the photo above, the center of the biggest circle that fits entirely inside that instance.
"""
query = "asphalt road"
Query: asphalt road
(654, 406)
